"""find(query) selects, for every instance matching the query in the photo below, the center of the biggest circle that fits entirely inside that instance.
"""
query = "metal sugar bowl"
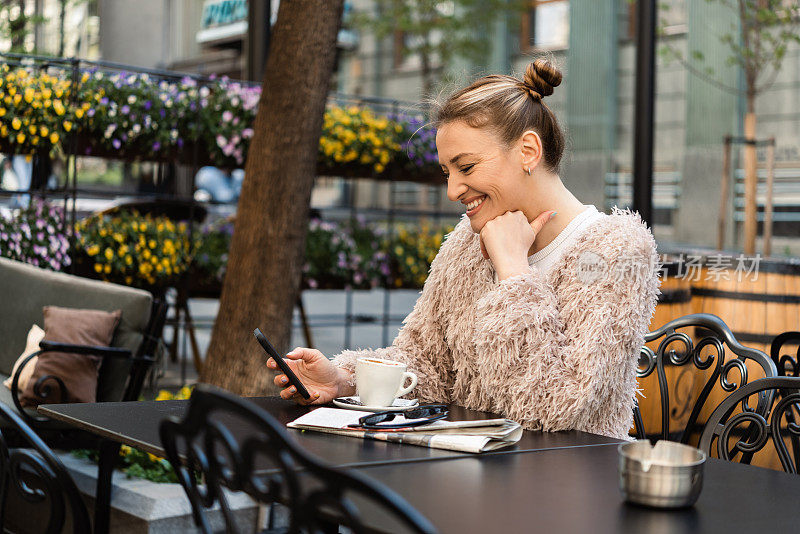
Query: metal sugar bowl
(669, 475)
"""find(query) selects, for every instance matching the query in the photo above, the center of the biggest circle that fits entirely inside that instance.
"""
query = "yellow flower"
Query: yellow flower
(125, 450)
(153, 457)
(107, 269)
(79, 113)
(58, 107)
(109, 253)
(67, 126)
(32, 129)
(185, 392)
(98, 267)
(2, 112)
(164, 395)
(128, 280)
(29, 95)
(20, 138)
(128, 260)
(93, 250)
(16, 123)
(54, 138)
(152, 243)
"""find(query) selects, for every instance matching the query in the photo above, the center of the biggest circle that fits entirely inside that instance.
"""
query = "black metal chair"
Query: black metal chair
(761, 429)
(678, 348)
(787, 364)
(236, 445)
(35, 477)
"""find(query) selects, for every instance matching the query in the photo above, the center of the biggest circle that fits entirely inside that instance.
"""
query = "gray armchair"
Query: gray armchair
(25, 289)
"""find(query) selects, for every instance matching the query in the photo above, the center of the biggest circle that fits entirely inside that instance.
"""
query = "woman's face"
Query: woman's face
(482, 174)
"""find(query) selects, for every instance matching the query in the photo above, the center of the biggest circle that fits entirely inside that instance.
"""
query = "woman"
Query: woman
(536, 304)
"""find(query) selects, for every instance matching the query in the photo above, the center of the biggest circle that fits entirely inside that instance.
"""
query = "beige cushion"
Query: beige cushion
(77, 371)
(35, 335)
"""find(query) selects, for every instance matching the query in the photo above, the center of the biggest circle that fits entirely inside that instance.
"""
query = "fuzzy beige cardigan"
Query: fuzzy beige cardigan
(552, 352)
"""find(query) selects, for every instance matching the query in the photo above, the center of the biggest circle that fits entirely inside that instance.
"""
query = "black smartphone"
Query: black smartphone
(301, 389)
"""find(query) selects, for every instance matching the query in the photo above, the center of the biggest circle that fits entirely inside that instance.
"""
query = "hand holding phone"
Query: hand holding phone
(301, 389)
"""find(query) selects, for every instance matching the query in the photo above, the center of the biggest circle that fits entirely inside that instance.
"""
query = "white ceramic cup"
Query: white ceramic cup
(379, 382)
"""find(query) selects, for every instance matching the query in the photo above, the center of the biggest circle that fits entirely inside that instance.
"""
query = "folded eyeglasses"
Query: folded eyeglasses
(422, 415)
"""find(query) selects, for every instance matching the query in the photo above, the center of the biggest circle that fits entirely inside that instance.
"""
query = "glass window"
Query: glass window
(545, 25)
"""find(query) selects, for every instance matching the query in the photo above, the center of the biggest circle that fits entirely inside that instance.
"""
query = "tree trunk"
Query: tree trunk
(62, 15)
(750, 179)
(17, 29)
(267, 249)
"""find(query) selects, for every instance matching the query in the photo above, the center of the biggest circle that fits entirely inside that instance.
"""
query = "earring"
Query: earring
(528, 170)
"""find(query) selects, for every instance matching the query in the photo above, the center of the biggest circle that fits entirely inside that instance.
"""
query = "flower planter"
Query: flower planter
(139, 506)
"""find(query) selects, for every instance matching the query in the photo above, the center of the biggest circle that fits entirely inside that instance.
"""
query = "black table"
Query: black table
(136, 424)
(576, 490)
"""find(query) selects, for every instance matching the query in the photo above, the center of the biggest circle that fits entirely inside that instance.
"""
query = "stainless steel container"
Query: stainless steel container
(669, 475)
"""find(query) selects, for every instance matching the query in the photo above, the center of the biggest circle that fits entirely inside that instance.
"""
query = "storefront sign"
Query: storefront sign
(223, 19)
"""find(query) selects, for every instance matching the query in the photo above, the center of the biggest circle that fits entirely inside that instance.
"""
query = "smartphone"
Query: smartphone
(301, 389)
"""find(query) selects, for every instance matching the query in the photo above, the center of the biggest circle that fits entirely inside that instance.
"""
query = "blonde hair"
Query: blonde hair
(510, 106)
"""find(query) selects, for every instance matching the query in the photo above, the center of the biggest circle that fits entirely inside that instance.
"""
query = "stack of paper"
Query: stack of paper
(465, 436)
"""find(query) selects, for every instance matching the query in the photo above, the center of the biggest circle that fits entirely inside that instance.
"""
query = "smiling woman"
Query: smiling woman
(533, 315)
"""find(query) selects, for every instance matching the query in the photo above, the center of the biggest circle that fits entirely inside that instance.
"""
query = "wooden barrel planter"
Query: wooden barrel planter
(758, 306)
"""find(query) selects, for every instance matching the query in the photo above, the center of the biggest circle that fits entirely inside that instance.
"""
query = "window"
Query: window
(545, 25)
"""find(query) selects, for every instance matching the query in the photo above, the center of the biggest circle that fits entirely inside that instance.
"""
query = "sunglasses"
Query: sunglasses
(422, 414)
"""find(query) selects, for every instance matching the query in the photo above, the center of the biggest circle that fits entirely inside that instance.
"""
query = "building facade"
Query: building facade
(592, 41)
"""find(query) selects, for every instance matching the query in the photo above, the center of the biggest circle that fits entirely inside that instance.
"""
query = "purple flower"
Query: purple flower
(227, 116)
(156, 146)
(148, 105)
(125, 109)
(116, 143)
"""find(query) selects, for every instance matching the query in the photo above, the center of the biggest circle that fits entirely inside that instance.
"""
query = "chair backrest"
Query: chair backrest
(237, 445)
(27, 289)
(787, 364)
(678, 348)
(35, 475)
(752, 431)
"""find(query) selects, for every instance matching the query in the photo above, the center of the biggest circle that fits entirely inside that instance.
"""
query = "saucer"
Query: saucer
(399, 405)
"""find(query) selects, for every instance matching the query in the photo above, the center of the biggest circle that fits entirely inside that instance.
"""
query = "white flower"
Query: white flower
(132, 99)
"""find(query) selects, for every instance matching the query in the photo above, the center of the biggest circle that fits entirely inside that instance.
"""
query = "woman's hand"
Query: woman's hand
(507, 238)
(323, 380)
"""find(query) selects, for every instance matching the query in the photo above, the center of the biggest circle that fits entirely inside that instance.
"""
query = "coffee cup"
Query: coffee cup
(379, 382)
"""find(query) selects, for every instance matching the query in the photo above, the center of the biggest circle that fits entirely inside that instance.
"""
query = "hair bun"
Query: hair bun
(541, 77)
